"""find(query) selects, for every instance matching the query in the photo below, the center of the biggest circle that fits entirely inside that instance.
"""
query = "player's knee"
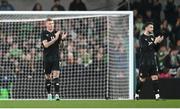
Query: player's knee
(55, 74)
(142, 79)
(154, 77)
(56, 81)
(48, 83)
(48, 77)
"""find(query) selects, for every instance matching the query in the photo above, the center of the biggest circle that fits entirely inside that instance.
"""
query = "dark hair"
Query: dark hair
(4, 1)
(56, 0)
(35, 7)
(147, 24)
(49, 19)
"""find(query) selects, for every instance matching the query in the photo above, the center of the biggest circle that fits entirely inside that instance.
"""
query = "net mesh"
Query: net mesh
(93, 59)
(119, 57)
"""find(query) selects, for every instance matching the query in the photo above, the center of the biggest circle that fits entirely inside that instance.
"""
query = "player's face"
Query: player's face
(50, 25)
(150, 28)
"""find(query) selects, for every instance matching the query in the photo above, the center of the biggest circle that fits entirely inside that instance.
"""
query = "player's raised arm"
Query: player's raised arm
(159, 39)
(51, 67)
(47, 43)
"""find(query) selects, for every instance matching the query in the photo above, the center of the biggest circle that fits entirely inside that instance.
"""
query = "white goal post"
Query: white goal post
(96, 60)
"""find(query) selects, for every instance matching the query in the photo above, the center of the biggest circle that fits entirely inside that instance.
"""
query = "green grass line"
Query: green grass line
(90, 104)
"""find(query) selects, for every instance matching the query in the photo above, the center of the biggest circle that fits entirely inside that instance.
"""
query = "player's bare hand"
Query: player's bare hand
(161, 38)
(57, 34)
(64, 35)
(158, 39)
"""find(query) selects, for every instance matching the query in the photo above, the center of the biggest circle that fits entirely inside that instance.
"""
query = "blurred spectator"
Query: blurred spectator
(77, 5)
(151, 10)
(6, 6)
(84, 24)
(148, 16)
(7, 77)
(70, 56)
(166, 31)
(101, 60)
(82, 41)
(156, 13)
(119, 56)
(5, 44)
(100, 54)
(170, 12)
(93, 48)
(172, 61)
(135, 14)
(15, 52)
(176, 30)
(37, 7)
(139, 25)
(15, 55)
(136, 5)
(57, 6)
(178, 45)
(72, 32)
(29, 60)
(178, 73)
(178, 12)
(156, 10)
(84, 58)
(162, 53)
(146, 5)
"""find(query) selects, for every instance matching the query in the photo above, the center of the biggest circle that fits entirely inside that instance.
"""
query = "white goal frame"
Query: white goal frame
(86, 13)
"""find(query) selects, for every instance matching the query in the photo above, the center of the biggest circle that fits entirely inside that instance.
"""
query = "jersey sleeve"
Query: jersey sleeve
(43, 36)
(145, 44)
(55, 35)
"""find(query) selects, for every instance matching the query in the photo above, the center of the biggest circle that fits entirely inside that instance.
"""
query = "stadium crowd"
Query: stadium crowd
(75, 5)
(27, 55)
(21, 49)
(169, 27)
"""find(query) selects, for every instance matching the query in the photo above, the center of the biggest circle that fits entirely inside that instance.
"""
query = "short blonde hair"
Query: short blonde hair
(49, 19)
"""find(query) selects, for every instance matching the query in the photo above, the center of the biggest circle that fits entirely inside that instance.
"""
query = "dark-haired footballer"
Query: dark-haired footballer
(50, 41)
(148, 63)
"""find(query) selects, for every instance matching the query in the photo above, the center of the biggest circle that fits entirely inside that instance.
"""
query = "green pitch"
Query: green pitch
(89, 104)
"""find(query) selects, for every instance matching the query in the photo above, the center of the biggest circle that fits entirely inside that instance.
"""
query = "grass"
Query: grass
(90, 104)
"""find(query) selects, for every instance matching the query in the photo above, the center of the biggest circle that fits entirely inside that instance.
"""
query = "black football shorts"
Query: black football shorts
(147, 70)
(49, 66)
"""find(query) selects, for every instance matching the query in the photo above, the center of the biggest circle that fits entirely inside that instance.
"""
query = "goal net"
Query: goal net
(96, 59)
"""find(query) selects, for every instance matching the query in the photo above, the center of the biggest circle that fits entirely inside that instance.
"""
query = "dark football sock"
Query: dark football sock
(155, 84)
(48, 86)
(139, 86)
(56, 85)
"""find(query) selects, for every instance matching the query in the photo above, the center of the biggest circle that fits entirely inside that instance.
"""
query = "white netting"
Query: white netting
(119, 57)
(94, 58)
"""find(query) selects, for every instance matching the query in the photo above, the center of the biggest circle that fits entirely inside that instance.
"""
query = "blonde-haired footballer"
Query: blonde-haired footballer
(50, 40)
